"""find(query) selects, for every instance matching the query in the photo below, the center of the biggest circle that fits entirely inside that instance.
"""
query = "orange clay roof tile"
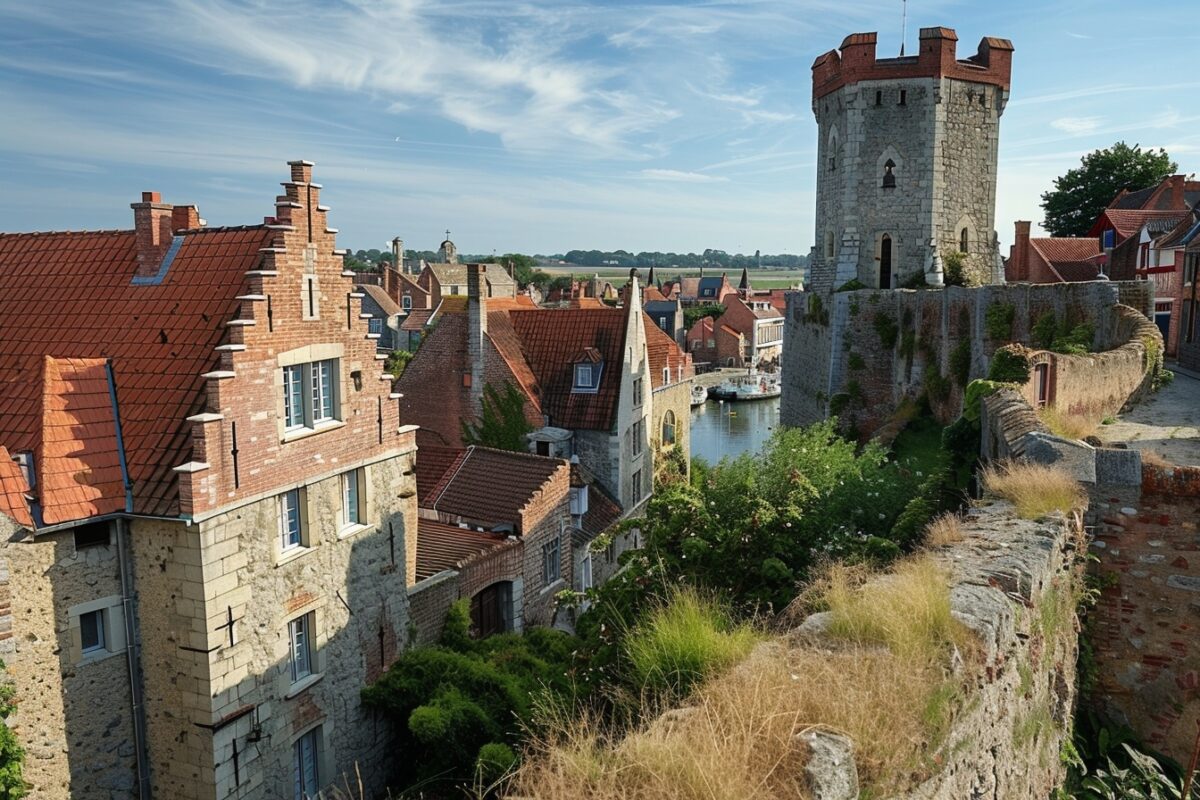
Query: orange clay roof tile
(13, 490)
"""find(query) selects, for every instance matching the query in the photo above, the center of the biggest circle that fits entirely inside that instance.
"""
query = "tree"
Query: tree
(523, 267)
(1083, 193)
(502, 423)
(696, 313)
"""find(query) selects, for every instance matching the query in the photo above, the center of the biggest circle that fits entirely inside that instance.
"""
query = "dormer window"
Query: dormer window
(586, 369)
(406, 302)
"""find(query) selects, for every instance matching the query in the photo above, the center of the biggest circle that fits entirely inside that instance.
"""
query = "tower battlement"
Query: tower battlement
(855, 61)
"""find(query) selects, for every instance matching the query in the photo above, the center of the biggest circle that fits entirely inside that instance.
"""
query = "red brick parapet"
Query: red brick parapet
(856, 61)
(1171, 481)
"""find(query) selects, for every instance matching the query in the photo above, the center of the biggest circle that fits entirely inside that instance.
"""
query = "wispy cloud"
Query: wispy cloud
(1076, 126)
(679, 175)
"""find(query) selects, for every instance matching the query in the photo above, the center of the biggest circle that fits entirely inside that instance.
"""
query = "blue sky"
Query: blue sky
(531, 126)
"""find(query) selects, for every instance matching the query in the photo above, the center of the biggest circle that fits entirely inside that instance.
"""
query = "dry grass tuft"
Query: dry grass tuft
(1035, 489)
(945, 529)
(1065, 424)
(1153, 458)
(885, 681)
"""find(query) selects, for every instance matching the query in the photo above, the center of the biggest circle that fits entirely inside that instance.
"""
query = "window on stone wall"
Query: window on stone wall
(292, 532)
(889, 175)
(832, 163)
(636, 432)
(91, 633)
(300, 647)
(637, 487)
(878, 98)
(903, 97)
(352, 507)
(829, 244)
(98, 629)
(668, 428)
(551, 561)
(964, 240)
(305, 765)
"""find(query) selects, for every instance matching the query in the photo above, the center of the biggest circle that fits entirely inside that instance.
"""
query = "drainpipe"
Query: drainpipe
(129, 605)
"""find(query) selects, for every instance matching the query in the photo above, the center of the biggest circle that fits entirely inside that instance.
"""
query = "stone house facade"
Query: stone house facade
(214, 477)
(906, 158)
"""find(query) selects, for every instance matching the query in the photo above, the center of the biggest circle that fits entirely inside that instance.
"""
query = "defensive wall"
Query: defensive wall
(860, 354)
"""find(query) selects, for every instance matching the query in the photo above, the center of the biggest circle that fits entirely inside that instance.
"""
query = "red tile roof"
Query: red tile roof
(432, 463)
(519, 303)
(70, 295)
(77, 463)
(13, 489)
(504, 338)
(1128, 221)
(1066, 248)
(550, 339)
(663, 353)
(492, 487)
(442, 547)
(417, 319)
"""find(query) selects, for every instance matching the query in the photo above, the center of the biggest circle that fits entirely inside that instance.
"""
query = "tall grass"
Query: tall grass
(942, 530)
(884, 681)
(1035, 489)
(683, 641)
(1065, 424)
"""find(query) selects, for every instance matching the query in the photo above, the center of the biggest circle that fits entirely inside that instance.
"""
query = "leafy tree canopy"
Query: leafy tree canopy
(1082, 193)
(502, 423)
(696, 313)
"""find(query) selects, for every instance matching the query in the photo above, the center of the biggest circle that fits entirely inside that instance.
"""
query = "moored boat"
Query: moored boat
(755, 386)
(699, 395)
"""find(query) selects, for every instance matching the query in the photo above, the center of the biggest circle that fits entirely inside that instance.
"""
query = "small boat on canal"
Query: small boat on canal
(699, 395)
(753, 386)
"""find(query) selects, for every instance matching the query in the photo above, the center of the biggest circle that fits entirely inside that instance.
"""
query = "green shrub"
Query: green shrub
(915, 281)
(856, 361)
(852, 285)
(683, 641)
(12, 756)
(838, 404)
(954, 272)
(1077, 341)
(1044, 331)
(998, 321)
(976, 391)
(502, 423)
(886, 328)
(937, 386)
(855, 390)
(396, 362)
(960, 362)
(1009, 366)
(816, 310)
(495, 760)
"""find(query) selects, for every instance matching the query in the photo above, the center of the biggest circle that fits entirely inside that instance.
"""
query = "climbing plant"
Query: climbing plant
(502, 422)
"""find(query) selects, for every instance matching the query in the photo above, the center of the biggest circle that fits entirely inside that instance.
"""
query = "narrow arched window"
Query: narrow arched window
(668, 428)
(829, 244)
(964, 240)
(889, 175)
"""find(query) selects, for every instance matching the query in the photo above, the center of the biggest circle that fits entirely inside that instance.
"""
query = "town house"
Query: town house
(207, 506)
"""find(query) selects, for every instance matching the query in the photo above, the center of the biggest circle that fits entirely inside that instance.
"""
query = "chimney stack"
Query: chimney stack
(1020, 253)
(185, 218)
(153, 222)
(476, 331)
(1178, 199)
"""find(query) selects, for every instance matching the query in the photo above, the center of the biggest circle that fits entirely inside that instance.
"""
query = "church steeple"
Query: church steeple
(744, 283)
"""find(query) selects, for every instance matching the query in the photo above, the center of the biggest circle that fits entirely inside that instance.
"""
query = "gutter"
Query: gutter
(129, 606)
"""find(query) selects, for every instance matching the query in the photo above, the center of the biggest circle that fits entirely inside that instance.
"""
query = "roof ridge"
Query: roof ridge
(519, 454)
(104, 231)
(444, 482)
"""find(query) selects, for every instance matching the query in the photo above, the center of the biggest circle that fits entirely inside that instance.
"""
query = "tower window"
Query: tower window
(833, 163)
(889, 176)
(964, 240)
(878, 98)
(828, 244)
(903, 97)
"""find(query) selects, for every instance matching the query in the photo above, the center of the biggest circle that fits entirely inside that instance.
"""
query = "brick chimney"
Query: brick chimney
(1178, 201)
(476, 331)
(153, 222)
(185, 218)
(1020, 251)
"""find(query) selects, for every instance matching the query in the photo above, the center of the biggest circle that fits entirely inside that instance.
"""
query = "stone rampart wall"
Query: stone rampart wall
(867, 351)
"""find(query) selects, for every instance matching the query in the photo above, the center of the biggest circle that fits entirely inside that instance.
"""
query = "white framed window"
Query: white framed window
(291, 520)
(583, 376)
(662, 323)
(300, 649)
(551, 561)
(305, 765)
(666, 374)
(406, 302)
(92, 633)
(668, 428)
(585, 573)
(374, 325)
(310, 394)
(637, 391)
(352, 510)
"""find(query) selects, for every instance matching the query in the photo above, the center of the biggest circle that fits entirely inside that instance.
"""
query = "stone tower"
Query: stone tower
(906, 160)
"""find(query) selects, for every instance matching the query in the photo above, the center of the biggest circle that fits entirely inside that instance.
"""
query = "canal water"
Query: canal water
(730, 429)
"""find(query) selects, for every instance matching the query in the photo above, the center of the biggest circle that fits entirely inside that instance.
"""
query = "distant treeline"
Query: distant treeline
(709, 258)
(367, 259)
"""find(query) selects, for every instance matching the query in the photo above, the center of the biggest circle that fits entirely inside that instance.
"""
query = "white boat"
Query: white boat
(754, 386)
(699, 395)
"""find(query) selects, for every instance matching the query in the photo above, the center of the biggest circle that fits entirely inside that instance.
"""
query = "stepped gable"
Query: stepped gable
(86, 296)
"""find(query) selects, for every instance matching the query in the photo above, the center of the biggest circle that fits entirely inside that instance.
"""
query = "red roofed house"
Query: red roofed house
(587, 375)
(713, 342)
(1052, 259)
(761, 327)
(206, 506)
